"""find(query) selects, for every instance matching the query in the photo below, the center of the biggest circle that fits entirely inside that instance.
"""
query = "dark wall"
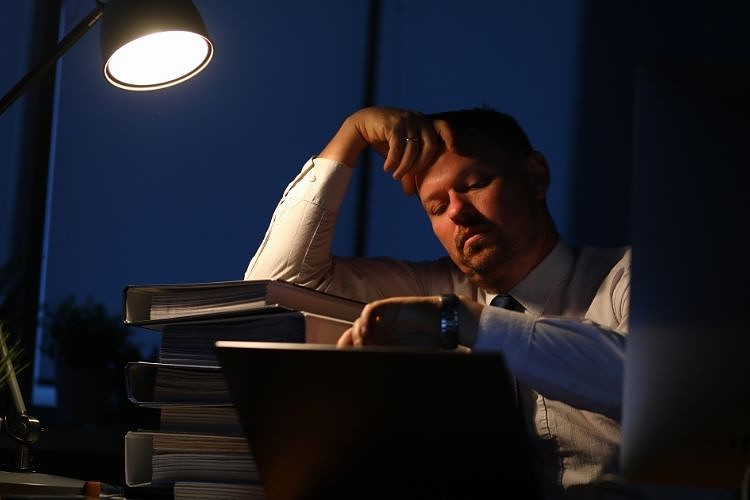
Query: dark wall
(617, 39)
(178, 185)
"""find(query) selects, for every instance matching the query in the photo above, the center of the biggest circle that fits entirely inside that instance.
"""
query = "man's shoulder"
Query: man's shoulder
(597, 267)
(588, 256)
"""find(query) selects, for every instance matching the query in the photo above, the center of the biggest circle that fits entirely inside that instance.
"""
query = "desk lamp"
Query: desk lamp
(146, 45)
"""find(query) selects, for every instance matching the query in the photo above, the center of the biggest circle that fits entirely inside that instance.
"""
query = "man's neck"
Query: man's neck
(529, 260)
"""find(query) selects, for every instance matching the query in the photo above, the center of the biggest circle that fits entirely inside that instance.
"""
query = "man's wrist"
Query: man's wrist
(346, 146)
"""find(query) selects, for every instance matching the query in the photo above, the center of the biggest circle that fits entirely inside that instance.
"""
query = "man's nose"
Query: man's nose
(460, 209)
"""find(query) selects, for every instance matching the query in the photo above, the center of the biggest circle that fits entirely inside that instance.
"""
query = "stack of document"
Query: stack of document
(199, 448)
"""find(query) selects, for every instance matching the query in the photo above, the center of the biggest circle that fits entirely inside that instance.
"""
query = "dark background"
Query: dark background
(178, 185)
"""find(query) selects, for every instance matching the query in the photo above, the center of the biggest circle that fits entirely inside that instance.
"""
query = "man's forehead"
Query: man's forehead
(451, 165)
(448, 170)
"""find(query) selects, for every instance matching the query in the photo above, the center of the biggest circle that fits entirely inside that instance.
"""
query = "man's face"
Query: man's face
(489, 214)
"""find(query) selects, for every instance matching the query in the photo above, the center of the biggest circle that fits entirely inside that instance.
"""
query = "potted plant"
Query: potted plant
(90, 347)
(10, 353)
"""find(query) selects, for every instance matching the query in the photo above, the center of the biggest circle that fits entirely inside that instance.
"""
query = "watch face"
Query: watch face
(449, 321)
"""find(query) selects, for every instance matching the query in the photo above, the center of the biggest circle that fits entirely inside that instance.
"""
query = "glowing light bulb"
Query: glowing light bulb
(158, 60)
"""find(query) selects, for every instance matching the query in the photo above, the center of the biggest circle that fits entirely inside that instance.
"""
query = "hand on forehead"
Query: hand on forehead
(409, 183)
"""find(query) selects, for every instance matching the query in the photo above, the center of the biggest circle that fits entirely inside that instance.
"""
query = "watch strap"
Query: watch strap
(449, 306)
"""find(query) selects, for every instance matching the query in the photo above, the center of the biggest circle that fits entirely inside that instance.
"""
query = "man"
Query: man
(483, 188)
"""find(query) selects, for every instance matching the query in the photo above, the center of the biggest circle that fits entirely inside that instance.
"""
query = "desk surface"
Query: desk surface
(85, 455)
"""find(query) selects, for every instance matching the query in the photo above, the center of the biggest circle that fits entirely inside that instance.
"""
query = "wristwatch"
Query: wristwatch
(449, 305)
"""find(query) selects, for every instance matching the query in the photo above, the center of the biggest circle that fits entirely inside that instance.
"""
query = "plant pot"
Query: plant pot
(84, 395)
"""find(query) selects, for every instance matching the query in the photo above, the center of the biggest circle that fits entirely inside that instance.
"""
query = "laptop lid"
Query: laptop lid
(378, 422)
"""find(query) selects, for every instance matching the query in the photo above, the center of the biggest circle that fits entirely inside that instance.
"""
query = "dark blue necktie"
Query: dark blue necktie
(507, 302)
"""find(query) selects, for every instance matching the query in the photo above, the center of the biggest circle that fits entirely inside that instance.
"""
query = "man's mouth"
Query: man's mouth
(466, 240)
(471, 240)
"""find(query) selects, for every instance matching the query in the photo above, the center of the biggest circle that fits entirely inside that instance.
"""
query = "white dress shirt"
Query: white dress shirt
(568, 345)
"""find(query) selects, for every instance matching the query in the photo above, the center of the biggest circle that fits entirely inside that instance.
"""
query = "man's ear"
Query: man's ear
(537, 172)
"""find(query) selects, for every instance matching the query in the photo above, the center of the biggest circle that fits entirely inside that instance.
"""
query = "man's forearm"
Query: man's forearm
(574, 361)
(346, 146)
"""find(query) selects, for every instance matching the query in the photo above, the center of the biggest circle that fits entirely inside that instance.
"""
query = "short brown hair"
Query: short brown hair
(480, 127)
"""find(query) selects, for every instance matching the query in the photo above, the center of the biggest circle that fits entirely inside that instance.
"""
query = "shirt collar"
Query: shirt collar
(535, 290)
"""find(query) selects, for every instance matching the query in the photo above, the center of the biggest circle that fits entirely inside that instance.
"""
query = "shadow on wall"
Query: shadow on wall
(600, 177)
(617, 39)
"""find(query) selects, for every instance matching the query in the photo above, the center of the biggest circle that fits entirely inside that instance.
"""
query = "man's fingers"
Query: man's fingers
(420, 152)
(396, 150)
(413, 144)
(431, 147)
(446, 135)
(409, 184)
(346, 339)
(357, 335)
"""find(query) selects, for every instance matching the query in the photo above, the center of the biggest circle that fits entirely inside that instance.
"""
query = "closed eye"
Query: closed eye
(474, 185)
(479, 184)
(437, 209)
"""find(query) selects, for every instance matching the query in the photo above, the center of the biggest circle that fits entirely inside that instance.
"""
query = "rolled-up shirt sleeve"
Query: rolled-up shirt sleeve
(297, 246)
(574, 361)
(305, 217)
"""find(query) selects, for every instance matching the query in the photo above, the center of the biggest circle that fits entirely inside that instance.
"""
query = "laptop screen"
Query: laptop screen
(377, 422)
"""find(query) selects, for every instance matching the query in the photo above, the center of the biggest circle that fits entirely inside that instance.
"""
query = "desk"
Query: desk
(96, 454)
(85, 455)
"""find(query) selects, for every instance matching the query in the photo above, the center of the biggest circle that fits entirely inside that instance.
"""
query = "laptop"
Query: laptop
(378, 422)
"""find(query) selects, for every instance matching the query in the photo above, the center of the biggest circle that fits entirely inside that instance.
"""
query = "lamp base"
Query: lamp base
(36, 483)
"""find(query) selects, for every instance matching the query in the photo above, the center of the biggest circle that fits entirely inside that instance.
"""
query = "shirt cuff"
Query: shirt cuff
(508, 332)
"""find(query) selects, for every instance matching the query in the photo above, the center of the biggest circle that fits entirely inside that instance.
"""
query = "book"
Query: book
(158, 457)
(154, 305)
(155, 385)
(194, 490)
(222, 420)
(192, 342)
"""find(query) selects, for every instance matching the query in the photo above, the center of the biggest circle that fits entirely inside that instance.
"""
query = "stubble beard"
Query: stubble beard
(490, 261)
(486, 257)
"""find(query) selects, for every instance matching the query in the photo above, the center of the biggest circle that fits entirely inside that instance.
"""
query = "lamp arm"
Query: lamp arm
(70, 39)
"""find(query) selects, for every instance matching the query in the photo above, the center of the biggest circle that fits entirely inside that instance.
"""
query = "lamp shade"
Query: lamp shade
(152, 44)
